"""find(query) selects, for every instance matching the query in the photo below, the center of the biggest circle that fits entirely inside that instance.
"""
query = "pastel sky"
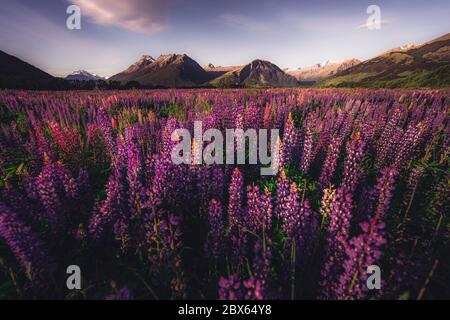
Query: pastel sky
(290, 33)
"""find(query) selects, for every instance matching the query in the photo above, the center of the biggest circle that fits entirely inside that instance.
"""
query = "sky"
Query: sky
(290, 33)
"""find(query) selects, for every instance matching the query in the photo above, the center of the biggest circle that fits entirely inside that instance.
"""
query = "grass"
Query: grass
(438, 78)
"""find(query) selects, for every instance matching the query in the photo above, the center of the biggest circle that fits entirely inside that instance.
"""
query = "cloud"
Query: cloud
(243, 22)
(143, 16)
(369, 24)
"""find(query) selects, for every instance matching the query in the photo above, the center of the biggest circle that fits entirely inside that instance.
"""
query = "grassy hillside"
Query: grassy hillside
(438, 78)
(427, 65)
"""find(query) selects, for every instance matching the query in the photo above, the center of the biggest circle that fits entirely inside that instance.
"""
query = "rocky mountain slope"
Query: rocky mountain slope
(169, 70)
(258, 73)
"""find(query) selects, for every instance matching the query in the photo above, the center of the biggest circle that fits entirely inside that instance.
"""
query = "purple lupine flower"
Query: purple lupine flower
(267, 116)
(43, 147)
(108, 210)
(390, 126)
(27, 210)
(339, 121)
(235, 201)
(369, 129)
(262, 261)
(330, 163)
(282, 195)
(388, 139)
(30, 187)
(230, 288)
(203, 179)
(299, 222)
(254, 219)
(323, 141)
(217, 183)
(234, 288)
(408, 144)
(69, 183)
(347, 127)
(276, 157)
(161, 184)
(267, 208)
(104, 214)
(167, 143)
(93, 134)
(341, 213)
(134, 178)
(28, 249)
(107, 130)
(337, 235)
(362, 251)
(66, 139)
(217, 230)
(115, 208)
(366, 204)
(307, 153)
(384, 190)
(290, 142)
(235, 216)
(289, 211)
(119, 162)
(306, 229)
(253, 289)
(389, 149)
(47, 188)
(377, 200)
(253, 117)
(352, 163)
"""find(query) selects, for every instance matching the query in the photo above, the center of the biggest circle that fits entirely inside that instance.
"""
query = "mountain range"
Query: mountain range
(425, 65)
(322, 71)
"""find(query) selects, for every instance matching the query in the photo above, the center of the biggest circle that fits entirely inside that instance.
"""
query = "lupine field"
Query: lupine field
(87, 180)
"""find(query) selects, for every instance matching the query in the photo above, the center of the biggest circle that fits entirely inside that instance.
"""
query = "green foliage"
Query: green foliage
(170, 110)
(300, 179)
(11, 172)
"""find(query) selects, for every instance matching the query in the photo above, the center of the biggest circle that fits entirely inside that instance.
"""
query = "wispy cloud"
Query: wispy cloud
(370, 24)
(243, 22)
(143, 16)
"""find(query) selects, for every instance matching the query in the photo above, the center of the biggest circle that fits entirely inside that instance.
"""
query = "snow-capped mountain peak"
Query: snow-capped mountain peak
(83, 75)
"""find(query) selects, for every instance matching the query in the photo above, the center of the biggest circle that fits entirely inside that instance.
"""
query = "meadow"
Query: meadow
(86, 179)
